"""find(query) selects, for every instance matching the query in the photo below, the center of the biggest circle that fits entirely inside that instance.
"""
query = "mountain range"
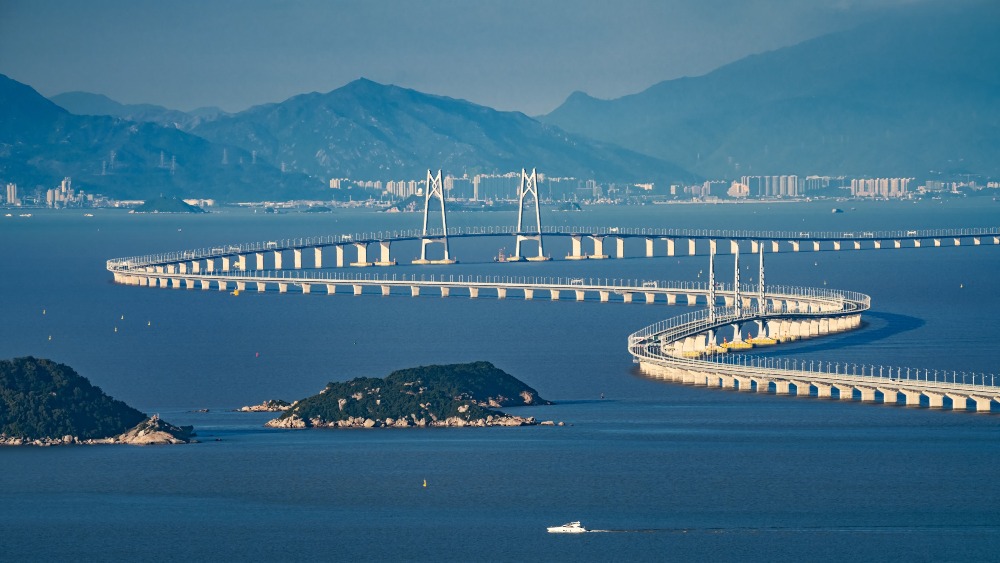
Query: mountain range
(40, 143)
(914, 93)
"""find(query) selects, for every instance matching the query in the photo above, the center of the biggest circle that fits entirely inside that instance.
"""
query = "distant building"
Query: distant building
(496, 187)
(880, 187)
(772, 186)
(458, 188)
(738, 190)
(12, 194)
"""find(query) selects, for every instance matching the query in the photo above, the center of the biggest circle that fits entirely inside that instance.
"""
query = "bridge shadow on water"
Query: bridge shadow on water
(876, 325)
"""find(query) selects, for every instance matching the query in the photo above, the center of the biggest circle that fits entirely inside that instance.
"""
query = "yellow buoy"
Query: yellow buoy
(425, 483)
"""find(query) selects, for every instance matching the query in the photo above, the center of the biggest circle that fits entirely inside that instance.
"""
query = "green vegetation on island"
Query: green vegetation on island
(437, 395)
(44, 402)
(167, 205)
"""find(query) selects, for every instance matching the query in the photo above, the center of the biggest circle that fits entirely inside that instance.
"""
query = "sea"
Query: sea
(663, 471)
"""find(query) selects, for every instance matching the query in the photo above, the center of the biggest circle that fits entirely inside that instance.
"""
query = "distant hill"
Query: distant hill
(913, 92)
(40, 143)
(86, 103)
(167, 205)
(367, 130)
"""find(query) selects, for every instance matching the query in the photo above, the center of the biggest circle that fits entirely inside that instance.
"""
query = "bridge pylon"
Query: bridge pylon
(529, 185)
(435, 188)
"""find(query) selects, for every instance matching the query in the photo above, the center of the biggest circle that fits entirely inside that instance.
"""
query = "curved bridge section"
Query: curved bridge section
(683, 349)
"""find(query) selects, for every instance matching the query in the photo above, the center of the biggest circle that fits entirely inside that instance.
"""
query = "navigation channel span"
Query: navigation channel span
(682, 349)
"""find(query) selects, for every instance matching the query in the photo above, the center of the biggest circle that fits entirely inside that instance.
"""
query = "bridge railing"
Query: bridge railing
(219, 251)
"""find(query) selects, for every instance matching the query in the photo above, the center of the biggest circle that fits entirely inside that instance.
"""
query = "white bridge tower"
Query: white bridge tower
(529, 185)
(435, 188)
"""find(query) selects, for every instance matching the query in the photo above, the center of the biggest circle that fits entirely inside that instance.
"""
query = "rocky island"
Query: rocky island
(455, 395)
(44, 403)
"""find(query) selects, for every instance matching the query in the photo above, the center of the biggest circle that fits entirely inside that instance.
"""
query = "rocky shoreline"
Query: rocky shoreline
(411, 421)
(273, 405)
(152, 431)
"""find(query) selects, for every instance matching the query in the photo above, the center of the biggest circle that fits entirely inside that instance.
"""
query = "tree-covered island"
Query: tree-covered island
(438, 395)
(45, 403)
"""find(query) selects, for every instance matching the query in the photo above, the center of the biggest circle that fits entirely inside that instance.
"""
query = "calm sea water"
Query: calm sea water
(672, 472)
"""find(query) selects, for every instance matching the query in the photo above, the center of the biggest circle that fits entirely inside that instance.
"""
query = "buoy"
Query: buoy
(961, 285)
(123, 317)
(257, 355)
(50, 337)
(116, 329)
(43, 311)
(149, 323)
(425, 483)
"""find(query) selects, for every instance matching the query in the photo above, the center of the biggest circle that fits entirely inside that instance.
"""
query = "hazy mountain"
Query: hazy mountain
(916, 91)
(86, 103)
(367, 130)
(40, 143)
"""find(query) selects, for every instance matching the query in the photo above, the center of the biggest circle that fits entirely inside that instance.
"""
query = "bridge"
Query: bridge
(684, 348)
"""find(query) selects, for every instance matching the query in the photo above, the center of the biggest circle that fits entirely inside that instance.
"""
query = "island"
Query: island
(455, 395)
(44, 403)
(167, 205)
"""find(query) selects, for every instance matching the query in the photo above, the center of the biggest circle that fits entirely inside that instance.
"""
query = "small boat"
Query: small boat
(568, 528)
(88, 214)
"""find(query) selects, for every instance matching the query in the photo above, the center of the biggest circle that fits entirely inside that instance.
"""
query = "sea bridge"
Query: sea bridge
(682, 349)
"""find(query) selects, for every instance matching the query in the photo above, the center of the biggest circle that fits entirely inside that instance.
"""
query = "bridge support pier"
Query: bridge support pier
(781, 387)
(598, 248)
(671, 250)
(306, 288)
(934, 400)
(916, 243)
(205, 284)
(277, 259)
(959, 402)
(762, 385)
(889, 396)
(845, 392)
(691, 247)
(734, 247)
(857, 245)
(501, 293)
(362, 255)
(282, 287)
(384, 259)
(357, 289)
(340, 256)
(836, 245)
(529, 294)
(878, 244)
(651, 297)
(867, 393)
(226, 263)
(331, 289)
(801, 388)
(620, 247)
(223, 286)
(981, 404)
(473, 293)
(414, 291)
(261, 287)
(385, 290)
(259, 261)
(910, 398)
(577, 249)
(775, 247)
(297, 258)
(580, 294)
(318, 257)
(649, 247)
(823, 390)
(626, 297)
(815, 246)
(795, 245)
(445, 291)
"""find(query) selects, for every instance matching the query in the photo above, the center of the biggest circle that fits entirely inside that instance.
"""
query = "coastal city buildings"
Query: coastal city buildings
(880, 187)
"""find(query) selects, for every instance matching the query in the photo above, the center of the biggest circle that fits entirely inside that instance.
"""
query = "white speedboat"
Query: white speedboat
(568, 528)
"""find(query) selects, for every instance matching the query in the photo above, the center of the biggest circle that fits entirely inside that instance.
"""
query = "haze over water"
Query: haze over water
(701, 473)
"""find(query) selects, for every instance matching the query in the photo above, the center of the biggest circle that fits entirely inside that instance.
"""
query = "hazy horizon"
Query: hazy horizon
(521, 56)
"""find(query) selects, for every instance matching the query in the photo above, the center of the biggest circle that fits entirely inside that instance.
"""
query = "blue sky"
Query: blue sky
(524, 55)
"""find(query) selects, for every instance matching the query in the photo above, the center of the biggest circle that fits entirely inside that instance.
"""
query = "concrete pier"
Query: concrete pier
(362, 261)
(297, 258)
(598, 248)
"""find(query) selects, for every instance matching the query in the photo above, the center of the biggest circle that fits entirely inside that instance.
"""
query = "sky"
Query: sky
(521, 55)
